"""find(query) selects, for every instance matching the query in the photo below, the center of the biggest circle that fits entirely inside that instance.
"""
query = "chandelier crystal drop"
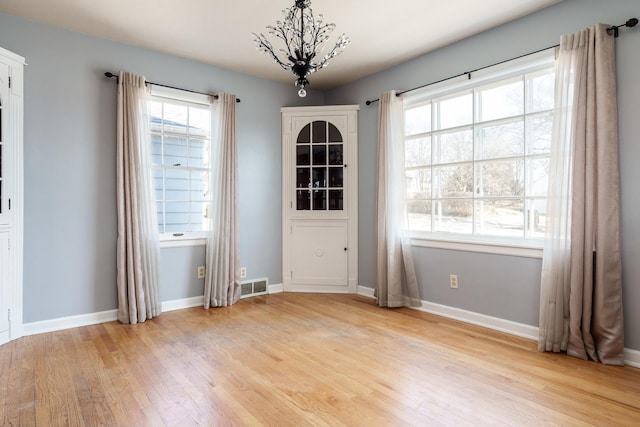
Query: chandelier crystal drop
(304, 39)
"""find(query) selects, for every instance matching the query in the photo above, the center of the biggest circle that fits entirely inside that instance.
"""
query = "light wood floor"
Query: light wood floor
(304, 360)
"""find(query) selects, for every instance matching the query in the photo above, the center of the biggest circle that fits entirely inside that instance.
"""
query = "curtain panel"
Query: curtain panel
(581, 283)
(222, 281)
(138, 248)
(396, 282)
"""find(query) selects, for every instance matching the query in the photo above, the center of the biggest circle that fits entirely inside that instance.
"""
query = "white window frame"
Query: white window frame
(174, 240)
(530, 247)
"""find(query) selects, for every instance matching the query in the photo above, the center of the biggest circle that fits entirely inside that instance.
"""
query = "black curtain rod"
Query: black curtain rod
(611, 30)
(110, 75)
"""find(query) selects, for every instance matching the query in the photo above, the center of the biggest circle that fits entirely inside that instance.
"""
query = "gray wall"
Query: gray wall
(507, 287)
(69, 161)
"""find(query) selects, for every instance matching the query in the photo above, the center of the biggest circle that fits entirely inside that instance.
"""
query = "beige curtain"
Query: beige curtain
(138, 250)
(581, 288)
(396, 283)
(222, 281)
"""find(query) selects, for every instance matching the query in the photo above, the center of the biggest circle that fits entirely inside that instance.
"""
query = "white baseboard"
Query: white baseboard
(365, 291)
(275, 289)
(61, 323)
(632, 357)
(495, 323)
(179, 304)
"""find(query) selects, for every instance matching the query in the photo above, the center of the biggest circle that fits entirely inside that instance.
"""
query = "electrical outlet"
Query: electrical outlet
(243, 272)
(453, 281)
(201, 272)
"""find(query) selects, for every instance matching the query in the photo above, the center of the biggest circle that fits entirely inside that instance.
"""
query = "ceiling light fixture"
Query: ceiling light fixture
(304, 37)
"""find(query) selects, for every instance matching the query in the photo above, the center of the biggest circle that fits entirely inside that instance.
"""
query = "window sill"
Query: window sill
(496, 248)
(170, 241)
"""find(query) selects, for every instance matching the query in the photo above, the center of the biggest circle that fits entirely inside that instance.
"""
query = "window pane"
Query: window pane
(500, 217)
(304, 137)
(334, 133)
(417, 152)
(453, 216)
(335, 154)
(302, 155)
(500, 178)
(335, 177)
(335, 200)
(319, 177)
(303, 200)
(506, 140)
(197, 216)
(453, 147)
(417, 120)
(158, 183)
(175, 119)
(453, 181)
(156, 149)
(419, 183)
(175, 151)
(303, 177)
(541, 87)
(176, 184)
(199, 121)
(537, 176)
(536, 217)
(539, 134)
(320, 200)
(176, 217)
(499, 100)
(319, 131)
(419, 214)
(197, 186)
(196, 153)
(454, 111)
(320, 155)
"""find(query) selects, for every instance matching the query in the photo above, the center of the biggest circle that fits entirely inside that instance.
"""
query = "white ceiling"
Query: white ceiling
(383, 33)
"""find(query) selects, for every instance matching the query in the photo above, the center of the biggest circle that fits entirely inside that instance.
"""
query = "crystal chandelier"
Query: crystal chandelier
(304, 37)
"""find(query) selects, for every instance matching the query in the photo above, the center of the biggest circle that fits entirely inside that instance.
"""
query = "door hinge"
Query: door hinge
(9, 204)
(291, 275)
(9, 82)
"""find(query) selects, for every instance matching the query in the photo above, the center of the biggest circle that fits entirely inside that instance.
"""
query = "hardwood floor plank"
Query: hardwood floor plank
(304, 360)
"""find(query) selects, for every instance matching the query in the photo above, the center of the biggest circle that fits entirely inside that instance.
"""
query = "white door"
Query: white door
(320, 199)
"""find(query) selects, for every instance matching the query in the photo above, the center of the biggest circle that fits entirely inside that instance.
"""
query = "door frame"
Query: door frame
(350, 214)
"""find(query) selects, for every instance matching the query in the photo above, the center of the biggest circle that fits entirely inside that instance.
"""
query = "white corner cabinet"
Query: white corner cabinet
(11, 191)
(320, 199)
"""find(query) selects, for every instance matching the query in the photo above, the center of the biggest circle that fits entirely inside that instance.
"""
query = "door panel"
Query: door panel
(319, 257)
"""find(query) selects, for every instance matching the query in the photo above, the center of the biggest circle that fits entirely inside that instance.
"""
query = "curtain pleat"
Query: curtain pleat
(581, 285)
(396, 282)
(222, 281)
(138, 249)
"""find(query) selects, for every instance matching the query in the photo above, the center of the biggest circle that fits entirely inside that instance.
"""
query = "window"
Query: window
(477, 155)
(180, 137)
